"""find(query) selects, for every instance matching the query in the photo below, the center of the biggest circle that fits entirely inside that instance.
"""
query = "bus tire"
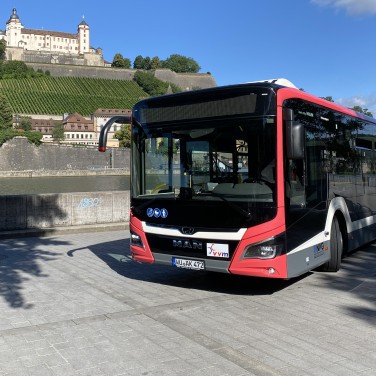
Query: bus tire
(336, 248)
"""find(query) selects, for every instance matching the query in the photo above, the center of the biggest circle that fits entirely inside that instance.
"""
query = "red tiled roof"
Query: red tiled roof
(49, 33)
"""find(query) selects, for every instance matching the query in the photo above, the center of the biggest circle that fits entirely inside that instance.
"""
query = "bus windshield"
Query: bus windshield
(221, 158)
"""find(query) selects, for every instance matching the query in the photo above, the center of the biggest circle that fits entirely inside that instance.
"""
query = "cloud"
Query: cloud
(352, 7)
(368, 102)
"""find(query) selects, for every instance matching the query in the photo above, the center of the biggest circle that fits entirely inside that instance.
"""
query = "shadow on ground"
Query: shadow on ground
(21, 259)
(116, 255)
(356, 277)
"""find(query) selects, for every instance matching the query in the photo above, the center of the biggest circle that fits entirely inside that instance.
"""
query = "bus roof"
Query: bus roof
(277, 81)
(277, 84)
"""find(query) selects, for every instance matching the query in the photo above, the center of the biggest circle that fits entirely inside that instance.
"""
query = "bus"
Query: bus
(257, 179)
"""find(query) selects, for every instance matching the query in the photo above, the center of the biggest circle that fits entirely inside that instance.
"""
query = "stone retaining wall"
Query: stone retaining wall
(20, 155)
(51, 211)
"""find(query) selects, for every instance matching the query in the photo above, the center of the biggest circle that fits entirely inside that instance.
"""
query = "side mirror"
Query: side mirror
(121, 119)
(294, 136)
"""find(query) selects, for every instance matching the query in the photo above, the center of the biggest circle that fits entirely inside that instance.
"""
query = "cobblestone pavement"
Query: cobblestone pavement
(77, 305)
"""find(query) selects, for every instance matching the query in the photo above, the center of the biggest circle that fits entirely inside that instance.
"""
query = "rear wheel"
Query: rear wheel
(336, 248)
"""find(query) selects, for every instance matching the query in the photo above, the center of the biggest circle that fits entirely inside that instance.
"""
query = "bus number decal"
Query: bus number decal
(318, 250)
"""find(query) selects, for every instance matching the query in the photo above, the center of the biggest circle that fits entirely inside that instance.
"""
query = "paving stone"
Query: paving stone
(77, 305)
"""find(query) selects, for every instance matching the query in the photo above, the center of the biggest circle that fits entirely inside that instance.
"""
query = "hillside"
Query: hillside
(59, 95)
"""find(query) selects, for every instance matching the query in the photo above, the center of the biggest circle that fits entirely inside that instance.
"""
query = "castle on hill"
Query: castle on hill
(44, 46)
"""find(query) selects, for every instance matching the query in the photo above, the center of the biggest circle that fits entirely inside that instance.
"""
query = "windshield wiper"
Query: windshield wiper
(243, 212)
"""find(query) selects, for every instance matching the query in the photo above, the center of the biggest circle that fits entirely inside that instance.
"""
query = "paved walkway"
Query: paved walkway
(77, 305)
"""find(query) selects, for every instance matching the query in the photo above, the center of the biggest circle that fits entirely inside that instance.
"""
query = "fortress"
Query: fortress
(50, 47)
(68, 54)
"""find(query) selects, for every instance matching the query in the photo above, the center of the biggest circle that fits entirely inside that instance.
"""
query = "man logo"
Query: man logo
(187, 244)
(188, 230)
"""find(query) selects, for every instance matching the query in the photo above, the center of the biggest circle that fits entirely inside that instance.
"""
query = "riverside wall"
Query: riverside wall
(69, 212)
(18, 157)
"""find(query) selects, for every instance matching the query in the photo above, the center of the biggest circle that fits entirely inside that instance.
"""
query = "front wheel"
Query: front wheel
(336, 248)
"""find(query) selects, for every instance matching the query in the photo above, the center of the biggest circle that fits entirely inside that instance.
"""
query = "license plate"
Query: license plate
(188, 264)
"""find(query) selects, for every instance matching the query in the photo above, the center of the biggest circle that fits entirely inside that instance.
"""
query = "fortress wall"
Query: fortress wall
(186, 81)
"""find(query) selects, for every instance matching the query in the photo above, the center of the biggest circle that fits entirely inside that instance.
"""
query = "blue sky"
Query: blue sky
(326, 47)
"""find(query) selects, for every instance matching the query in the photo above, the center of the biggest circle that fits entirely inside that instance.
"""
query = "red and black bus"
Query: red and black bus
(259, 179)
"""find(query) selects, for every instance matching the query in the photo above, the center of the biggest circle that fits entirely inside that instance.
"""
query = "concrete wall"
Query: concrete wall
(20, 155)
(63, 210)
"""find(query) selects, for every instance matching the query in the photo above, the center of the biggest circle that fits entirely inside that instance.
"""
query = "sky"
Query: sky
(326, 47)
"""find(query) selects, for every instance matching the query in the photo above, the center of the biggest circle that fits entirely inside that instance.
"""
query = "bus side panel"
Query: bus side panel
(142, 254)
(313, 254)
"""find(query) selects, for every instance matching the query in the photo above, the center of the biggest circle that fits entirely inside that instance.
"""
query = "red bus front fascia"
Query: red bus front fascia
(270, 268)
(142, 254)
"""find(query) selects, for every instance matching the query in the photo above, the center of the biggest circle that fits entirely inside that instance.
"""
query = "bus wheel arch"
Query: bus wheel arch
(338, 243)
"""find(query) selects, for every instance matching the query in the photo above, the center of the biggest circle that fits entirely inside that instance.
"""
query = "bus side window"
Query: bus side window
(295, 187)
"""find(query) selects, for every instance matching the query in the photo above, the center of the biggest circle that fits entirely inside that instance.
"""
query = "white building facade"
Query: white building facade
(30, 44)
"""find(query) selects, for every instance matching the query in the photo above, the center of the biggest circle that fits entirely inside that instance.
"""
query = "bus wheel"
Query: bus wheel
(336, 248)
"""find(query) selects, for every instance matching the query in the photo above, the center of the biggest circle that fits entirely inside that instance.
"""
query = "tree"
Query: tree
(118, 61)
(34, 137)
(127, 63)
(3, 46)
(121, 62)
(362, 110)
(124, 135)
(24, 123)
(329, 98)
(17, 69)
(152, 85)
(146, 63)
(138, 62)
(155, 63)
(58, 132)
(181, 64)
(6, 114)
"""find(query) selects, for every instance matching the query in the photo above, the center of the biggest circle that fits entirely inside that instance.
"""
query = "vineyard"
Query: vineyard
(59, 95)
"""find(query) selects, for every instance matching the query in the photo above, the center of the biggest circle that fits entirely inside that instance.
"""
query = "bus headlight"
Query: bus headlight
(265, 250)
(136, 240)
